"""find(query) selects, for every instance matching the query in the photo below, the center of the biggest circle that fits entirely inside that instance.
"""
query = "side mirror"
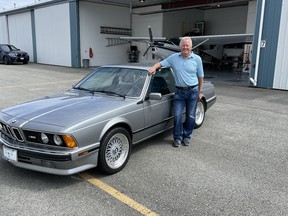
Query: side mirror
(155, 96)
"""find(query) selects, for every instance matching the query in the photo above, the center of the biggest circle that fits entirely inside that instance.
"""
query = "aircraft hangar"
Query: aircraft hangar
(86, 33)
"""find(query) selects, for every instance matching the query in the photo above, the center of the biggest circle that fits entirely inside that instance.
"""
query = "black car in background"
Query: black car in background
(10, 54)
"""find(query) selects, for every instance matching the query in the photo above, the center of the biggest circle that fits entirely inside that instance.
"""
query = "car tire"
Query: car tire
(6, 60)
(200, 114)
(115, 149)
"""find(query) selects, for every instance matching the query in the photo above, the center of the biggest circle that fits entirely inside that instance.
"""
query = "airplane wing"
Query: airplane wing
(207, 39)
(222, 39)
(163, 47)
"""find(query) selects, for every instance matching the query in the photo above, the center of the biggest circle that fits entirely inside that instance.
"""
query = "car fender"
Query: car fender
(112, 123)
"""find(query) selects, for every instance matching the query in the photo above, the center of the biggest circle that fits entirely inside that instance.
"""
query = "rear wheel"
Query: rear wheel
(115, 150)
(200, 114)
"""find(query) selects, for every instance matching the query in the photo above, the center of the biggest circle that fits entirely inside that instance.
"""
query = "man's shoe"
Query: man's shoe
(186, 142)
(176, 143)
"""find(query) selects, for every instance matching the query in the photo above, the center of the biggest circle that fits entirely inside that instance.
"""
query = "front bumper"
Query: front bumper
(18, 59)
(53, 161)
(211, 101)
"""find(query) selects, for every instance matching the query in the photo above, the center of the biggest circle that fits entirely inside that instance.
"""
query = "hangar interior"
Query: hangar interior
(82, 33)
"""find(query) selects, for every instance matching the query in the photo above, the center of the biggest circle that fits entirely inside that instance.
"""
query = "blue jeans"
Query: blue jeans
(184, 99)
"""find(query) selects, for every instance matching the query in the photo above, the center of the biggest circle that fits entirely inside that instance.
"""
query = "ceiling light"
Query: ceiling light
(142, 1)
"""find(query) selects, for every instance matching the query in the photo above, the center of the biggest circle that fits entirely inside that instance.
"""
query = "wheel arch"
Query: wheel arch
(205, 102)
(121, 122)
(8, 58)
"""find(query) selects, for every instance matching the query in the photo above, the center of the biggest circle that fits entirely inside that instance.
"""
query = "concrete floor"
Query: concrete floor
(234, 77)
(236, 163)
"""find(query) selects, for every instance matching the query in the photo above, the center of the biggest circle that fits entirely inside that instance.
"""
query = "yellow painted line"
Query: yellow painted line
(118, 195)
(37, 84)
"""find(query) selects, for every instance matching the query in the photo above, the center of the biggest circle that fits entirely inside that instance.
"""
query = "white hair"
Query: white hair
(185, 38)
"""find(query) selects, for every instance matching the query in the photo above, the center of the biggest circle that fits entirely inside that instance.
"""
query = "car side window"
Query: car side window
(5, 48)
(162, 82)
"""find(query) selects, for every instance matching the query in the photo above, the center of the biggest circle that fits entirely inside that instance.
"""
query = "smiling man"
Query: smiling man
(189, 77)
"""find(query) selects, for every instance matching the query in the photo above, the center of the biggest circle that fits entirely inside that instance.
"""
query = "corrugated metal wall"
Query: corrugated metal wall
(20, 33)
(269, 38)
(281, 69)
(4, 32)
(52, 29)
(41, 31)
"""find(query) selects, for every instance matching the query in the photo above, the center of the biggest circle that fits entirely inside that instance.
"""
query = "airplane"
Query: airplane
(162, 47)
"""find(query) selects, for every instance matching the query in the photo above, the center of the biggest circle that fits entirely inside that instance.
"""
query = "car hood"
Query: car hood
(19, 52)
(66, 109)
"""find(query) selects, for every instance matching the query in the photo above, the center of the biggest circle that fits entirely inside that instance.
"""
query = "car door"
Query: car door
(158, 113)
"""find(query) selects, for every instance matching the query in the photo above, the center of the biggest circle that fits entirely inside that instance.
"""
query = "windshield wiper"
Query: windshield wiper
(111, 92)
(81, 88)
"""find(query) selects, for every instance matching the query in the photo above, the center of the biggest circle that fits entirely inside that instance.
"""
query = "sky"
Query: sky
(9, 4)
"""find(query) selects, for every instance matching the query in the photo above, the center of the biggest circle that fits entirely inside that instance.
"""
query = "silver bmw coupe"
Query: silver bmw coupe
(95, 123)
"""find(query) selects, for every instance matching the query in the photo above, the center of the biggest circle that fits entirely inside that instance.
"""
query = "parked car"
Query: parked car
(95, 123)
(10, 54)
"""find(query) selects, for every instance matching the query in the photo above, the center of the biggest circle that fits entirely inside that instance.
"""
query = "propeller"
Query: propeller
(151, 42)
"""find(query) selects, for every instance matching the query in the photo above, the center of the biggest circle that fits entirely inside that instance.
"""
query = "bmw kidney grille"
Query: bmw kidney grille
(11, 132)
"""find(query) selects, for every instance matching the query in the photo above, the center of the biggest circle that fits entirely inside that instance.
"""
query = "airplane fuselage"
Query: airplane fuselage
(162, 50)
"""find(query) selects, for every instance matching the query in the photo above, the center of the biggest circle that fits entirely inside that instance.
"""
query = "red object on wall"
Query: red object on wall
(90, 53)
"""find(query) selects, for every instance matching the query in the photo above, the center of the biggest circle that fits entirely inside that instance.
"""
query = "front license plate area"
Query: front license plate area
(10, 154)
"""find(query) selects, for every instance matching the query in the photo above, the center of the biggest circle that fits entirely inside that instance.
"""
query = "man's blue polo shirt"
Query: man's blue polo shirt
(186, 71)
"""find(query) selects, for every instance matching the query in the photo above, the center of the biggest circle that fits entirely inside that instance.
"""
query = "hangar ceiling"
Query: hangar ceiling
(168, 5)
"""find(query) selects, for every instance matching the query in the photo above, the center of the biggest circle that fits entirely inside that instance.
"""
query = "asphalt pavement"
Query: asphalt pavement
(236, 164)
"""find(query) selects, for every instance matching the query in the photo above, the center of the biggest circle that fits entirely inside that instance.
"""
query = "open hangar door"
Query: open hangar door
(229, 60)
(225, 62)
(176, 18)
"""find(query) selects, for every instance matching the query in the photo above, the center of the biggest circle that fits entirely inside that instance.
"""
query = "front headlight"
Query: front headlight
(57, 140)
(12, 54)
(44, 138)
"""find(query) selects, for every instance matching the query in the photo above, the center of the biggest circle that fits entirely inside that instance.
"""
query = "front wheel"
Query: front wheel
(115, 150)
(200, 114)
(6, 60)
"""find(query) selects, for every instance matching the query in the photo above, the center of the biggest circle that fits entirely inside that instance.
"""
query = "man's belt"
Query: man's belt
(186, 88)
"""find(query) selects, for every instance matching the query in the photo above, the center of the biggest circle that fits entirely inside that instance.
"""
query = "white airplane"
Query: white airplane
(162, 47)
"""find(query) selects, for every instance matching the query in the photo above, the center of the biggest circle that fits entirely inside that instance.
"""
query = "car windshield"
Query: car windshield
(115, 80)
(8, 48)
